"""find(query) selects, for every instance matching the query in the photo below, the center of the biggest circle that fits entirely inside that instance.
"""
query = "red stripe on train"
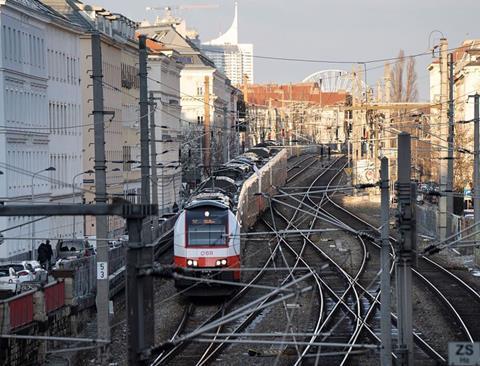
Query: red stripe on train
(232, 262)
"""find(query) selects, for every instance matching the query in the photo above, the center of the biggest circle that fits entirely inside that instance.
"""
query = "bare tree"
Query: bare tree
(404, 90)
(397, 78)
(411, 92)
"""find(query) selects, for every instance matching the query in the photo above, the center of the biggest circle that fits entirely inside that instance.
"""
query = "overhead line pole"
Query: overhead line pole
(405, 250)
(451, 137)
(207, 141)
(153, 160)
(443, 133)
(385, 299)
(102, 296)
(139, 289)
(476, 168)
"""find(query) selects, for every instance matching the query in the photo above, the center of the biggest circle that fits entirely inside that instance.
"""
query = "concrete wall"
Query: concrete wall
(67, 320)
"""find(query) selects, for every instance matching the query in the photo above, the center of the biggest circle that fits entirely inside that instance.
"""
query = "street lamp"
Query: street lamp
(73, 194)
(49, 169)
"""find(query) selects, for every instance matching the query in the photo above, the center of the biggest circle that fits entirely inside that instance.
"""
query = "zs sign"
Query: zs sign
(463, 353)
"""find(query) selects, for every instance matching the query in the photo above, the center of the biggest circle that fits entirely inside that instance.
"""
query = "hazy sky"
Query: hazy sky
(352, 30)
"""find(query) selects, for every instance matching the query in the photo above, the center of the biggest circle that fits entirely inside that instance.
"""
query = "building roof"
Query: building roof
(85, 16)
(278, 95)
(35, 5)
(70, 9)
(463, 52)
(170, 38)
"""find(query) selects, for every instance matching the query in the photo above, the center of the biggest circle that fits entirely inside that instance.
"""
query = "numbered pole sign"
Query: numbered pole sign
(463, 353)
(102, 270)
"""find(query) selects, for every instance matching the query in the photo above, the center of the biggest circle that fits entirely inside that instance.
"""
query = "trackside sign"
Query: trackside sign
(463, 353)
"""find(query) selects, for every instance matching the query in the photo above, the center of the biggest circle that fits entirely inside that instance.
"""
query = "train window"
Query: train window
(207, 230)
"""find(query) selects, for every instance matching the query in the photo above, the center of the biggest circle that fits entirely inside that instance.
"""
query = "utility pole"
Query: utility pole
(476, 169)
(385, 301)
(102, 297)
(140, 252)
(405, 250)
(226, 136)
(145, 166)
(451, 134)
(386, 127)
(206, 126)
(444, 128)
(153, 160)
(356, 125)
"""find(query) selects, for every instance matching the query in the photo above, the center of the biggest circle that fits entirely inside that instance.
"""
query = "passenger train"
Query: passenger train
(207, 232)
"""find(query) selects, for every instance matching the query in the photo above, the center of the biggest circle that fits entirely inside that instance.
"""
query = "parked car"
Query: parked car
(24, 272)
(74, 248)
(40, 273)
(9, 280)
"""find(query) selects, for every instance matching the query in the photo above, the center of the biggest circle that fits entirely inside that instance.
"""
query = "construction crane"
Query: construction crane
(169, 8)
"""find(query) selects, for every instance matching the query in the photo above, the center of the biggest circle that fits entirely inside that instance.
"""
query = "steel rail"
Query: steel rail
(309, 156)
(340, 301)
(351, 288)
(246, 321)
(372, 308)
(421, 342)
(303, 169)
(166, 356)
(428, 349)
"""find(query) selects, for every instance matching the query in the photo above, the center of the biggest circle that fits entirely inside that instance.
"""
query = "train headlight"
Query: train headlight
(192, 263)
(221, 262)
(207, 213)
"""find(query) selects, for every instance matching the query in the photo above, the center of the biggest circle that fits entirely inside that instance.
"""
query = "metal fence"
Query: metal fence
(116, 259)
(83, 274)
(427, 221)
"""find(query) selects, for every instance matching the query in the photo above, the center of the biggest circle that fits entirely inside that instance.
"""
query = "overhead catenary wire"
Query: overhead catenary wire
(307, 60)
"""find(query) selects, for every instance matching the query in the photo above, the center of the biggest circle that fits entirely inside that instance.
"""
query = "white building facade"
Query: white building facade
(232, 58)
(164, 87)
(65, 116)
(24, 130)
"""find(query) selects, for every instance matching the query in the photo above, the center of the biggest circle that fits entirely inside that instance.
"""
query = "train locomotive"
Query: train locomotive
(207, 231)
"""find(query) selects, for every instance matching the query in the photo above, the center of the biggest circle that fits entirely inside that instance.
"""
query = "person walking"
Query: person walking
(49, 253)
(42, 254)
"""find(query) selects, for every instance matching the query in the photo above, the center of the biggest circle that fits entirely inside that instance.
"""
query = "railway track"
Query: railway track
(342, 322)
(301, 166)
(371, 295)
(459, 298)
(178, 354)
(351, 307)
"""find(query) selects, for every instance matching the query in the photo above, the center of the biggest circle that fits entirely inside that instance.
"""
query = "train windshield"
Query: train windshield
(207, 226)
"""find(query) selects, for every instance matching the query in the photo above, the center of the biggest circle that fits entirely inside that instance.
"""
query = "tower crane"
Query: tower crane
(169, 8)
